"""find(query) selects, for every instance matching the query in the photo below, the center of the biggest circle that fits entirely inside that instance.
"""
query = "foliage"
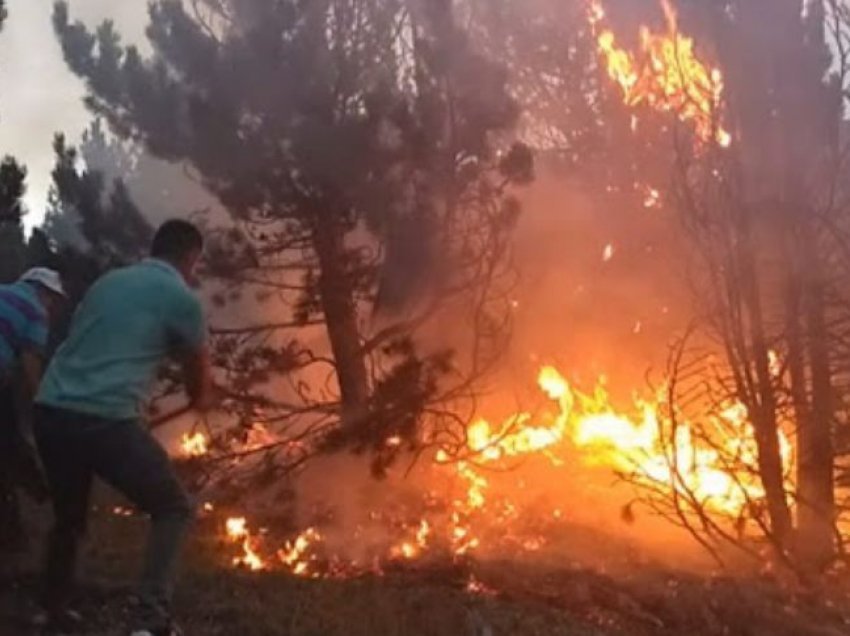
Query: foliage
(352, 144)
(12, 244)
(110, 222)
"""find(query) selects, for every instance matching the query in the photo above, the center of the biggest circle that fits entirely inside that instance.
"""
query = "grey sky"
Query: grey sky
(40, 96)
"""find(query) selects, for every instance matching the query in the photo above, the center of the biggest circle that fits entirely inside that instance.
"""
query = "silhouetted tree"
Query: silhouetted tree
(352, 144)
(12, 244)
(158, 190)
(104, 216)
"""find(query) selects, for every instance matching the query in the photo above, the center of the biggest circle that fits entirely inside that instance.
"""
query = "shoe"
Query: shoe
(164, 630)
(59, 622)
(153, 619)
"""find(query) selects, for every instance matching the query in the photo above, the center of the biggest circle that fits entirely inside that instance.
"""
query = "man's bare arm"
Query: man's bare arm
(25, 387)
(32, 368)
(197, 374)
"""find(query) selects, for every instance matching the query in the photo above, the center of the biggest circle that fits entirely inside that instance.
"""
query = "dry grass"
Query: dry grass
(540, 599)
(213, 600)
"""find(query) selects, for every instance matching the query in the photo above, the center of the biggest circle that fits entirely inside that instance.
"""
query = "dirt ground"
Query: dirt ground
(532, 599)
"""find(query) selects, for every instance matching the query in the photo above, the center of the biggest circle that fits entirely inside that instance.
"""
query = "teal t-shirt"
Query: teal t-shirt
(127, 324)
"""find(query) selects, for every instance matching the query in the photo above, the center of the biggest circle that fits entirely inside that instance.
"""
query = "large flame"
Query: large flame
(633, 445)
(665, 74)
(642, 444)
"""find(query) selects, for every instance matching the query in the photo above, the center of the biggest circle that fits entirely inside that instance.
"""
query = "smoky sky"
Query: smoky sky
(39, 95)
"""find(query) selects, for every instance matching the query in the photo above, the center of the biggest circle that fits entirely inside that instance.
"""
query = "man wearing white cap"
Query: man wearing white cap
(25, 310)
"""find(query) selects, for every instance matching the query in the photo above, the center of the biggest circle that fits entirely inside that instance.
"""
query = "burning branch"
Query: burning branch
(666, 75)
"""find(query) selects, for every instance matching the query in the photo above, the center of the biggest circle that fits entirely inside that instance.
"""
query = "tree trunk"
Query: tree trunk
(770, 460)
(763, 411)
(815, 463)
(338, 304)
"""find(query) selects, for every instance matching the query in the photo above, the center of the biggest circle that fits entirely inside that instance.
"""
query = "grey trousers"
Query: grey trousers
(75, 448)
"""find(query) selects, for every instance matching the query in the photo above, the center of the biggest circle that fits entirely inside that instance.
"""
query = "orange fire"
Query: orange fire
(692, 462)
(666, 75)
(686, 459)
(413, 548)
(238, 532)
(633, 445)
(295, 555)
(640, 444)
(194, 444)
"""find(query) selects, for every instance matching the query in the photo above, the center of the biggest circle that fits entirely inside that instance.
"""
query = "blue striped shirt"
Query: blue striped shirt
(23, 323)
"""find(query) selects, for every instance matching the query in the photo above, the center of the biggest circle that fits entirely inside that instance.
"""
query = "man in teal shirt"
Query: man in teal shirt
(88, 419)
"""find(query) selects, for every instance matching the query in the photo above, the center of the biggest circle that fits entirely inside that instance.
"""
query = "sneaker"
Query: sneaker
(153, 619)
(59, 622)
(164, 630)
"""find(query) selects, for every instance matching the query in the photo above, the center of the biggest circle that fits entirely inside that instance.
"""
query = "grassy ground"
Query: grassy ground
(213, 599)
(532, 599)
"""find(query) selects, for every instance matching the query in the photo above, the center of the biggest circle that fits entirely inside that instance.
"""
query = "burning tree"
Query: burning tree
(765, 208)
(751, 153)
(767, 234)
(354, 146)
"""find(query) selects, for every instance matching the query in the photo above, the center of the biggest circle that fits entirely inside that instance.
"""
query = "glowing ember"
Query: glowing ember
(237, 527)
(651, 197)
(295, 555)
(474, 586)
(666, 75)
(775, 363)
(413, 549)
(608, 252)
(237, 531)
(194, 444)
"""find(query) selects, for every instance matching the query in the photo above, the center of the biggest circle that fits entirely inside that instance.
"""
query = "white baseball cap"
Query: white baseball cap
(47, 278)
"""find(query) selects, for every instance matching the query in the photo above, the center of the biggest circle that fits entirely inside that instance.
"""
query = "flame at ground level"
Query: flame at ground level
(194, 445)
(648, 446)
(237, 531)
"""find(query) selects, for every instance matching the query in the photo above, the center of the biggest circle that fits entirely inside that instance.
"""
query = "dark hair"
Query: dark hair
(176, 239)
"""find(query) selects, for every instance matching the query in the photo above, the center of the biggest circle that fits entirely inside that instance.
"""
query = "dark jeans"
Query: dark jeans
(75, 448)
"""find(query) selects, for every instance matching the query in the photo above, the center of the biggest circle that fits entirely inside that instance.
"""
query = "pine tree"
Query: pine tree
(12, 245)
(158, 190)
(351, 143)
(107, 217)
